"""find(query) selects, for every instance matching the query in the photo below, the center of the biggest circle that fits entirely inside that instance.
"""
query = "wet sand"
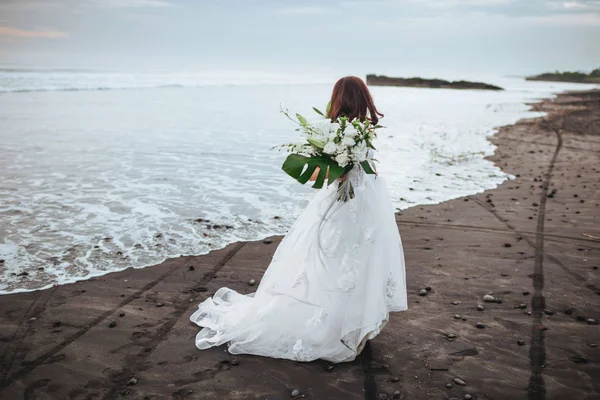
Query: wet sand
(533, 244)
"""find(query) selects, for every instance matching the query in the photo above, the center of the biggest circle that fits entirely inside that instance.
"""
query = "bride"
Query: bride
(334, 278)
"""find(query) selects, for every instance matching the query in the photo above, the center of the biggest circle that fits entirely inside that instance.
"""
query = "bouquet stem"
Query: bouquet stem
(345, 191)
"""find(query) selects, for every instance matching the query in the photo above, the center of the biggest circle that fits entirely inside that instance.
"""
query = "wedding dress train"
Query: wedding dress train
(330, 286)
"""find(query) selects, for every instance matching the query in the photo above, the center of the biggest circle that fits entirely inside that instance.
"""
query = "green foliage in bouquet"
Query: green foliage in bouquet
(302, 168)
(320, 148)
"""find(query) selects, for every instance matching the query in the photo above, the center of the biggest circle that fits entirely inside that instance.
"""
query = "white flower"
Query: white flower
(323, 126)
(342, 159)
(330, 148)
(360, 151)
(334, 126)
(327, 128)
(350, 131)
(348, 141)
(317, 140)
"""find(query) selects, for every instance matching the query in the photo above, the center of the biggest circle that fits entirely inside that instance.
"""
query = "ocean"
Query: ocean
(103, 171)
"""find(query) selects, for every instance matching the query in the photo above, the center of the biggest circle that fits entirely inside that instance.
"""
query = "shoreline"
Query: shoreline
(28, 284)
(62, 341)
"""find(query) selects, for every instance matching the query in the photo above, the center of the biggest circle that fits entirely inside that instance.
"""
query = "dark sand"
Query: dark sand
(524, 243)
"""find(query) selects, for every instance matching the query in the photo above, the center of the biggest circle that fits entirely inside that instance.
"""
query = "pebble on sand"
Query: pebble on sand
(480, 325)
(489, 298)
(295, 393)
(468, 396)
(579, 359)
(520, 342)
(480, 307)
(112, 324)
(459, 381)
(456, 316)
(423, 292)
(397, 395)
(591, 321)
(132, 381)
(251, 282)
(267, 241)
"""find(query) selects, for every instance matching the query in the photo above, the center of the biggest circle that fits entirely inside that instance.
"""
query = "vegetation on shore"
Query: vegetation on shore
(380, 80)
(567, 76)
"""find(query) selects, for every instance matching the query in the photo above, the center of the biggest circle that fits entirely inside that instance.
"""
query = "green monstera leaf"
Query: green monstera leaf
(301, 168)
(367, 167)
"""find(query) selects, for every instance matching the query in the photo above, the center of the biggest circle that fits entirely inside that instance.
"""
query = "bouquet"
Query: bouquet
(335, 147)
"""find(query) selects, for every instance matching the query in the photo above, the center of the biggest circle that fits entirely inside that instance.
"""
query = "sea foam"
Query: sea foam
(98, 181)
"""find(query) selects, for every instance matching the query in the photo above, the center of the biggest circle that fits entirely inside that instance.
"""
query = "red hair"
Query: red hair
(351, 98)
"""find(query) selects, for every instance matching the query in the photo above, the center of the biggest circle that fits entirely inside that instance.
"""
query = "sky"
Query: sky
(506, 36)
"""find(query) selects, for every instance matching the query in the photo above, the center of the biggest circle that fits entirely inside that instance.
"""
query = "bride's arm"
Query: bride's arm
(316, 174)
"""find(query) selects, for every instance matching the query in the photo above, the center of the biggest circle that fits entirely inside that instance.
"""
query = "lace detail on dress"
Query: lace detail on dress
(301, 278)
(317, 318)
(368, 235)
(357, 177)
(300, 353)
(349, 269)
(390, 289)
(263, 310)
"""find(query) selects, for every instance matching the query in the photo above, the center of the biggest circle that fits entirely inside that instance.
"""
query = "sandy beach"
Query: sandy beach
(532, 245)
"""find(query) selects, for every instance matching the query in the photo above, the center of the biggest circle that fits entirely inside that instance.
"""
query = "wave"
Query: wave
(142, 87)
(80, 89)
(19, 81)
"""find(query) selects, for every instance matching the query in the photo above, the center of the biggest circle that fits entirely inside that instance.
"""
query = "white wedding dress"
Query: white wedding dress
(329, 288)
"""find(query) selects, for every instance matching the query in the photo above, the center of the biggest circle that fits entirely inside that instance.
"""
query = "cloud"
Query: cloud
(427, 3)
(130, 3)
(579, 5)
(37, 5)
(481, 22)
(573, 5)
(28, 5)
(461, 3)
(6, 31)
(581, 19)
(315, 10)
